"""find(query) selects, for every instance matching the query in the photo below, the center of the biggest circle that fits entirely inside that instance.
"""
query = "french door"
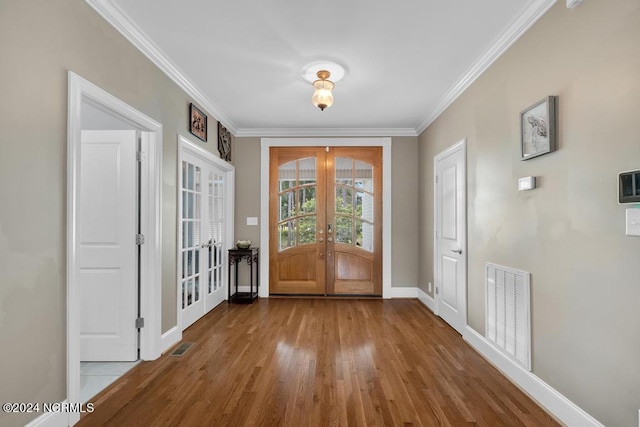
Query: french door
(325, 221)
(202, 237)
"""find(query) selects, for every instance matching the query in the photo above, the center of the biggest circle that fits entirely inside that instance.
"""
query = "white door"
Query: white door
(108, 285)
(215, 238)
(451, 230)
(202, 238)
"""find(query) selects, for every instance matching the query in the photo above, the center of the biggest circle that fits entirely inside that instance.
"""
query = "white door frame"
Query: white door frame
(460, 145)
(79, 91)
(185, 145)
(267, 143)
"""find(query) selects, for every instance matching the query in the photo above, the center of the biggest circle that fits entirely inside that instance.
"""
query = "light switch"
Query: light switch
(252, 220)
(633, 222)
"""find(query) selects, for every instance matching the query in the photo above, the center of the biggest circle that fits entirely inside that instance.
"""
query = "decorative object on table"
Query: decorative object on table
(538, 128)
(243, 244)
(224, 142)
(197, 122)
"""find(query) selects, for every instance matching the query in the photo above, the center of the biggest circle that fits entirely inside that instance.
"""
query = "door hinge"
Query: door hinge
(436, 290)
(139, 239)
(140, 322)
(139, 156)
(436, 179)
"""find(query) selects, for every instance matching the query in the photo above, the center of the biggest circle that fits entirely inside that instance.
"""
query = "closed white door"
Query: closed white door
(202, 241)
(215, 243)
(108, 257)
(450, 245)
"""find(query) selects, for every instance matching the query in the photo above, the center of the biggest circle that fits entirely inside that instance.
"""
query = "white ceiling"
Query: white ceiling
(242, 61)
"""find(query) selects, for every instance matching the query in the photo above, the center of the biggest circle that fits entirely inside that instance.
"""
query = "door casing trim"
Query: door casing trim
(385, 143)
(80, 91)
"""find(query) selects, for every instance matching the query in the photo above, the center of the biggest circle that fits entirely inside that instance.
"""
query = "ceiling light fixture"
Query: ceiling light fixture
(322, 97)
(323, 75)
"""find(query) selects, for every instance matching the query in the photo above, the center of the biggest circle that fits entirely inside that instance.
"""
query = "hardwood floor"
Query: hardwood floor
(318, 362)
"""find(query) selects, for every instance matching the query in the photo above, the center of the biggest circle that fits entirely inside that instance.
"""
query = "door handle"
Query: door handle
(329, 230)
(457, 251)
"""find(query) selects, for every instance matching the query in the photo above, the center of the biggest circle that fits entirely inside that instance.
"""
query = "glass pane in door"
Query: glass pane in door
(191, 237)
(354, 202)
(297, 200)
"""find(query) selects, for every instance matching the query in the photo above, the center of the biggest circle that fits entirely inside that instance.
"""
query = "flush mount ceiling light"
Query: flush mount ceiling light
(319, 73)
(322, 97)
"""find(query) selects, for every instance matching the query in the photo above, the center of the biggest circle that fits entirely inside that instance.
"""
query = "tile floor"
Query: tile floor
(96, 376)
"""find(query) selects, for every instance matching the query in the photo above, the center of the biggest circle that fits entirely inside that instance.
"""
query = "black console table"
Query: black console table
(252, 256)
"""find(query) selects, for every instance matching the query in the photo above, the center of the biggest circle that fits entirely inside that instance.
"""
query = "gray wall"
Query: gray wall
(570, 232)
(404, 199)
(39, 42)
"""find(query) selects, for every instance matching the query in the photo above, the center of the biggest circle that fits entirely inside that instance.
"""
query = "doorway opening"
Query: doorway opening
(265, 234)
(205, 231)
(326, 221)
(90, 228)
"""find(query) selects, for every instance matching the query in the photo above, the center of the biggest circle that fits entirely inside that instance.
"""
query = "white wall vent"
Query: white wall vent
(507, 324)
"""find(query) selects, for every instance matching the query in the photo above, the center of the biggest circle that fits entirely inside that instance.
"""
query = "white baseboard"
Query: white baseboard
(404, 292)
(169, 339)
(51, 419)
(424, 298)
(549, 398)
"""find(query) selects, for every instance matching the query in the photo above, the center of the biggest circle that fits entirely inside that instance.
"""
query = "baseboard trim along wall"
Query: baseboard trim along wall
(548, 397)
(51, 419)
(404, 292)
(425, 299)
(169, 339)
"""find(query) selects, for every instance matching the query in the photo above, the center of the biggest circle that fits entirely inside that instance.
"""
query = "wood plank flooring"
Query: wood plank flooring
(318, 362)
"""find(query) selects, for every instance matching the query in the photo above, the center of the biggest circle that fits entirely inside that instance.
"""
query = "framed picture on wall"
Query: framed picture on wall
(538, 128)
(197, 122)
(224, 142)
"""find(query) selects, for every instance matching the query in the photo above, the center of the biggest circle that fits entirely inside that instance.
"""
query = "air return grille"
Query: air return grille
(182, 349)
(507, 309)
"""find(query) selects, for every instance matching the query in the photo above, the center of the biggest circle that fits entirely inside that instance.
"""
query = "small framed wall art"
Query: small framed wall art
(197, 122)
(224, 142)
(538, 128)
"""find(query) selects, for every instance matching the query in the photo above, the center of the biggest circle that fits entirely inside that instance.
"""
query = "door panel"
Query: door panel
(296, 219)
(202, 284)
(326, 217)
(450, 231)
(354, 216)
(193, 257)
(214, 242)
(108, 283)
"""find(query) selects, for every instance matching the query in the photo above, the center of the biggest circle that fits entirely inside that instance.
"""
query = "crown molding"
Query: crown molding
(513, 32)
(311, 132)
(125, 26)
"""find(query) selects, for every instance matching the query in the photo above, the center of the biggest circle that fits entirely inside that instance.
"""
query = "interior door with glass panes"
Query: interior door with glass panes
(214, 242)
(325, 221)
(201, 254)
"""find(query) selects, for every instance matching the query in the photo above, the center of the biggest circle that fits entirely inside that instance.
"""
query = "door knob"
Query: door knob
(330, 239)
(457, 251)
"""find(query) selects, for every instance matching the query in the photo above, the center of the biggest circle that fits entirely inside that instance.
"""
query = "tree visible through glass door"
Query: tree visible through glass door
(326, 220)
